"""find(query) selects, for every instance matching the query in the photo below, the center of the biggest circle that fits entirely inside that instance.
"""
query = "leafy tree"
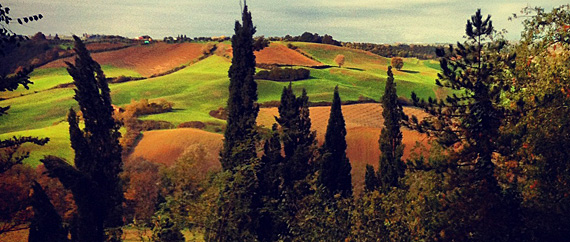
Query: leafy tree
(391, 167)
(467, 125)
(94, 180)
(9, 39)
(397, 63)
(541, 137)
(141, 182)
(14, 198)
(320, 217)
(240, 135)
(236, 213)
(335, 166)
(10, 149)
(339, 60)
(165, 228)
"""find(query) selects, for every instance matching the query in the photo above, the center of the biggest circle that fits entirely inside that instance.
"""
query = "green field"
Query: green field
(201, 87)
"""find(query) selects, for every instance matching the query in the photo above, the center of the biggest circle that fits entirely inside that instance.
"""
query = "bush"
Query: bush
(283, 75)
(208, 48)
(192, 124)
(220, 113)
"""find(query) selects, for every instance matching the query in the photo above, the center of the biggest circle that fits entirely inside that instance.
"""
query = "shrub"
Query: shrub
(220, 113)
(192, 124)
(208, 48)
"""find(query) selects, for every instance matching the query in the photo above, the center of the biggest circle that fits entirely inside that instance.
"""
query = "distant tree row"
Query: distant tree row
(400, 50)
(309, 37)
(184, 38)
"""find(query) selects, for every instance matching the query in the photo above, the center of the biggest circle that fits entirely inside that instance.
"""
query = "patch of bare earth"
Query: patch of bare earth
(147, 60)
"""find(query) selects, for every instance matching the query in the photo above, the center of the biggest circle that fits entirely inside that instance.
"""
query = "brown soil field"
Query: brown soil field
(363, 123)
(275, 53)
(165, 146)
(281, 55)
(145, 59)
(103, 45)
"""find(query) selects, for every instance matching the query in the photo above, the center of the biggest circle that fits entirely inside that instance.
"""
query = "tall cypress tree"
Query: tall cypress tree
(307, 137)
(270, 180)
(298, 139)
(335, 167)
(46, 225)
(370, 179)
(391, 168)
(240, 135)
(239, 204)
(94, 181)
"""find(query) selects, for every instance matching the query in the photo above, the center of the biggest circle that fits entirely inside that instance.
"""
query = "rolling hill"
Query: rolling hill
(202, 86)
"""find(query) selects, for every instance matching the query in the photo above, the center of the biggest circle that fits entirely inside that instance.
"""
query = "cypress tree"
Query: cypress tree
(370, 180)
(270, 180)
(240, 135)
(335, 167)
(298, 139)
(237, 213)
(46, 225)
(307, 137)
(391, 168)
(94, 181)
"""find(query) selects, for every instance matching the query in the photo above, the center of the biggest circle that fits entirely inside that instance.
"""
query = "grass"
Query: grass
(46, 78)
(58, 145)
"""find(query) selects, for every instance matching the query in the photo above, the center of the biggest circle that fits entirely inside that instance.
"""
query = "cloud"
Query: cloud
(380, 21)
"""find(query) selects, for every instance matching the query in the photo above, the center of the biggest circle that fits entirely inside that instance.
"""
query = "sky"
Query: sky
(373, 21)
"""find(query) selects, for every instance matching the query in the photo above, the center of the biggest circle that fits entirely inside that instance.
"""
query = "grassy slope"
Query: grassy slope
(202, 87)
(46, 78)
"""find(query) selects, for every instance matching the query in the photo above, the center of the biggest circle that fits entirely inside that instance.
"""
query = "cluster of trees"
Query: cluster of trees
(283, 74)
(310, 37)
(401, 50)
(183, 38)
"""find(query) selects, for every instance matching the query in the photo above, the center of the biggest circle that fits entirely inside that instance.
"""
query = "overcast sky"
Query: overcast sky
(376, 21)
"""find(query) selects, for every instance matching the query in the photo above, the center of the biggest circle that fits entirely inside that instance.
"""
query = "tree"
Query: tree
(371, 182)
(94, 180)
(240, 136)
(271, 224)
(10, 148)
(298, 139)
(391, 167)
(541, 136)
(335, 166)
(397, 63)
(237, 210)
(467, 124)
(166, 229)
(46, 225)
(339, 60)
